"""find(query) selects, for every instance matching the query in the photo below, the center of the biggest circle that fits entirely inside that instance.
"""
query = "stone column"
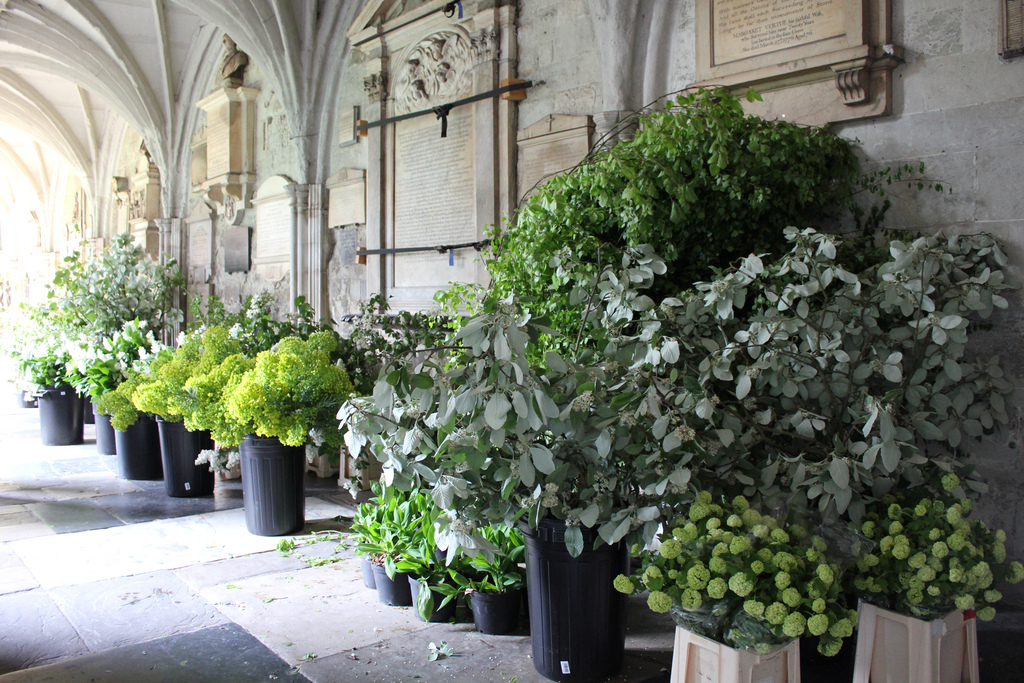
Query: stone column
(298, 195)
(612, 127)
(315, 284)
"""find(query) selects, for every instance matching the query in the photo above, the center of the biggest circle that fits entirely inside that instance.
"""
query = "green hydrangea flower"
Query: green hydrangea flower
(986, 613)
(721, 548)
(999, 552)
(817, 624)
(993, 596)
(885, 545)
(670, 549)
(741, 584)
(734, 521)
(950, 481)
(926, 574)
(697, 577)
(940, 549)
(699, 511)
(794, 625)
(690, 599)
(1016, 572)
(826, 574)
(895, 527)
(934, 591)
(1000, 536)
(713, 523)
(818, 606)
(739, 545)
(776, 613)
(785, 561)
(757, 566)
(754, 608)
(841, 629)
(829, 648)
(751, 517)
(717, 565)
(780, 536)
(868, 528)
(740, 504)
(964, 602)
(917, 560)
(782, 580)
(953, 515)
(673, 574)
(704, 497)
(901, 551)
(895, 511)
(624, 584)
(791, 596)
(653, 578)
(717, 588)
(921, 510)
(687, 534)
(956, 541)
(934, 534)
(760, 531)
(765, 555)
(659, 602)
(915, 596)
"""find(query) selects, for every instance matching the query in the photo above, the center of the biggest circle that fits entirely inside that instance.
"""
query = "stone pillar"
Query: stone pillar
(315, 283)
(298, 198)
(612, 127)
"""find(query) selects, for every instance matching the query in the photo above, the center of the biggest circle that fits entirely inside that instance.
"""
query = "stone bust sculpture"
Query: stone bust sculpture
(232, 69)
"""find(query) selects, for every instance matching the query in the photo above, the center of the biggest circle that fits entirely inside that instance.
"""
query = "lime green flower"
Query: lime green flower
(817, 624)
(917, 560)
(782, 580)
(740, 504)
(751, 517)
(791, 596)
(940, 549)
(999, 552)
(659, 602)
(776, 613)
(934, 591)
(673, 574)
(829, 648)
(704, 497)
(868, 528)
(921, 510)
(690, 599)
(895, 511)
(953, 515)
(717, 565)
(765, 555)
(697, 576)
(956, 541)
(653, 578)
(734, 521)
(794, 625)
(964, 602)
(926, 574)
(670, 549)
(1016, 572)
(885, 545)
(915, 596)
(686, 534)
(950, 481)
(841, 629)
(699, 511)
(741, 584)
(714, 523)
(987, 613)
(757, 566)
(720, 549)
(623, 584)
(717, 588)
(1000, 536)
(826, 574)
(818, 606)
(754, 608)
(935, 534)
(993, 596)
(785, 561)
(739, 545)
(895, 527)
(760, 530)
(780, 536)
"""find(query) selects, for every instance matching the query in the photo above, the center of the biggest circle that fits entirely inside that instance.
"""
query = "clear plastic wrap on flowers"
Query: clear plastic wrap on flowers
(846, 544)
(709, 620)
(747, 633)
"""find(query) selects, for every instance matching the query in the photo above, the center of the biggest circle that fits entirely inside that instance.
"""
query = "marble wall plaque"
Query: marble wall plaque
(435, 200)
(218, 140)
(236, 250)
(347, 204)
(747, 28)
(554, 144)
(273, 230)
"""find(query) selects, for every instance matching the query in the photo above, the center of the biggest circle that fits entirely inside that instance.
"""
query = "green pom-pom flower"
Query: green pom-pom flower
(794, 625)
(829, 648)
(741, 584)
(776, 613)
(780, 536)
(895, 511)
(624, 584)
(1016, 572)
(953, 515)
(670, 549)
(817, 624)
(754, 608)
(659, 602)
(868, 528)
(734, 521)
(993, 596)
(940, 549)
(697, 577)
(964, 602)
(917, 560)
(739, 545)
(950, 481)
(841, 629)
(714, 523)
(699, 511)
(986, 613)
(826, 574)
(690, 600)
(653, 578)
(895, 527)
(717, 588)
(819, 605)
(791, 596)
(717, 565)
(740, 504)
(782, 580)
(757, 566)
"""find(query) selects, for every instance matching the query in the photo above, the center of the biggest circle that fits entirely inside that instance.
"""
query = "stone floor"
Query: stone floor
(107, 580)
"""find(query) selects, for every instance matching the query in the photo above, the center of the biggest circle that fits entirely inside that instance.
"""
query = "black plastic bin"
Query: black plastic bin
(496, 614)
(577, 618)
(105, 441)
(60, 416)
(178, 449)
(138, 451)
(273, 486)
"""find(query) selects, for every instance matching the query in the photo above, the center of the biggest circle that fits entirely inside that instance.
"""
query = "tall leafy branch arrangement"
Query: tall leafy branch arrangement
(796, 381)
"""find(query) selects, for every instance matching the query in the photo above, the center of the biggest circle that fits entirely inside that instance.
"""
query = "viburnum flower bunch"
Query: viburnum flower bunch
(931, 559)
(744, 579)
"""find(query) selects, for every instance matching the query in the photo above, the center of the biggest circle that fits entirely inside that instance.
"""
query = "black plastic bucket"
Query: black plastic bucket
(60, 416)
(88, 416)
(138, 451)
(368, 577)
(440, 615)
(105, 442)
(496, 614)
(577, 618)
(390, 591)
(178, 449)
(273, 486)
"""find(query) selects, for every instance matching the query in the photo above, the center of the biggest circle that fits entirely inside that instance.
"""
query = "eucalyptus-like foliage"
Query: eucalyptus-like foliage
(796, 381)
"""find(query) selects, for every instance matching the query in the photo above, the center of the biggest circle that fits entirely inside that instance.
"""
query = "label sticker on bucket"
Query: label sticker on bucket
(565, 668)
(188, 486)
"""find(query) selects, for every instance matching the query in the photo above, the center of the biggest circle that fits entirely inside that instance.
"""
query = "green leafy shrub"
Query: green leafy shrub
(119, 404)
(701, 181)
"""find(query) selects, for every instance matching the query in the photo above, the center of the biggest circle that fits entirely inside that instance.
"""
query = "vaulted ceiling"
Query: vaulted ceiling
(74, 73)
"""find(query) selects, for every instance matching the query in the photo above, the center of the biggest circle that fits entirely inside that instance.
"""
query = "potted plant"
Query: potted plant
(495, 584)
(932, 571)
(105, 365)
(388, 524)
(288, 398)
(136, 439)
(744, 580)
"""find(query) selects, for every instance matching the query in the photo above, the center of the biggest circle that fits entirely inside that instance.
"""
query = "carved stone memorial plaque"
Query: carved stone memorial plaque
(554, 144)
(273, 222)
(236, 250)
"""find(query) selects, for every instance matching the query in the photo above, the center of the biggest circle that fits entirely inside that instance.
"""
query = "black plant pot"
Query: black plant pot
(496, 614)
(88, 416)
(138, 451)
(105, 442)
(368, 577)
(440, 614)
(392, 591)
(577, 618)
(273, 486)
(178, 449)
(60, 416)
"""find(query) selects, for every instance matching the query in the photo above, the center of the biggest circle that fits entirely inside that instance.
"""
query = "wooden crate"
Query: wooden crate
(697, 659)
(893, 648)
